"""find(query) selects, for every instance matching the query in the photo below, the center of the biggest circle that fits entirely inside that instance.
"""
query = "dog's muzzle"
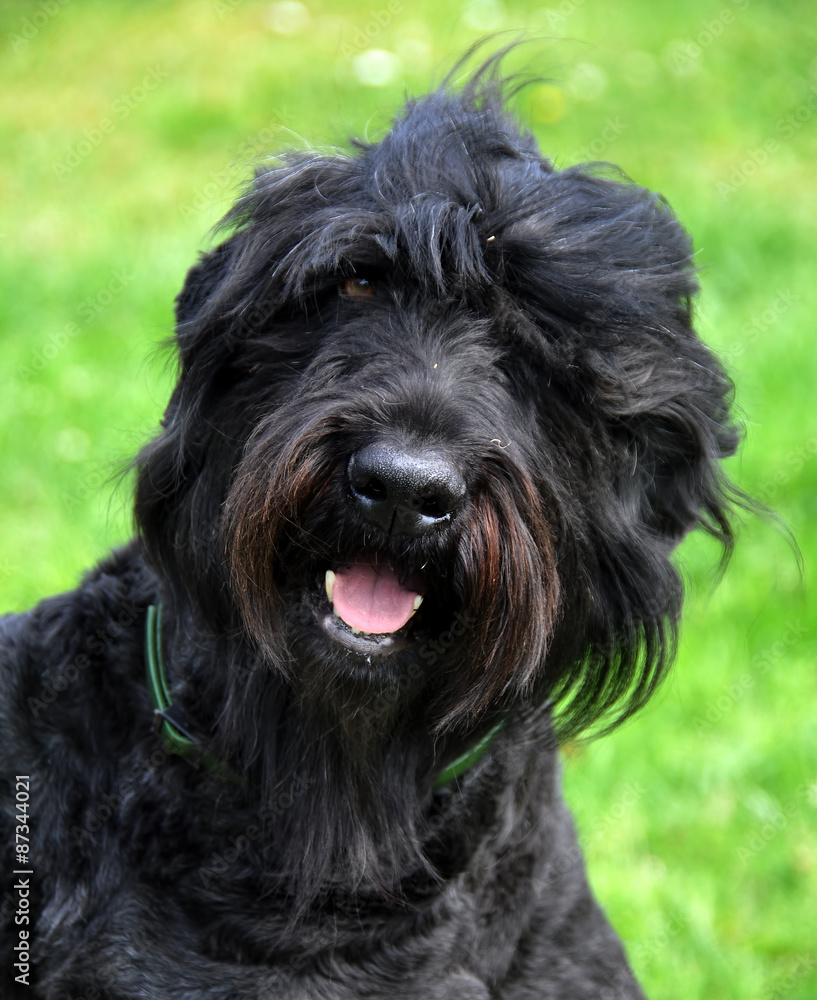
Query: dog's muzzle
(403, 491)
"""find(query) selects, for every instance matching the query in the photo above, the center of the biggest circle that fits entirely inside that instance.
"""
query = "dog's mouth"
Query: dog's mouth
(369, 606)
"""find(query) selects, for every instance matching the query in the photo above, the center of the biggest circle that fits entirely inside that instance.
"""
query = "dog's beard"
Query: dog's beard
(362, 734)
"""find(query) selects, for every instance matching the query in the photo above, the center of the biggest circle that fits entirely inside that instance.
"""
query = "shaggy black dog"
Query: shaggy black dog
(440, 422)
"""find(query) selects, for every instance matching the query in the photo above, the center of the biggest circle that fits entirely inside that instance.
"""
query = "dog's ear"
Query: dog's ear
(664, 393)
(607, 270)
(204, 284)
(202, 279)
(643, 412)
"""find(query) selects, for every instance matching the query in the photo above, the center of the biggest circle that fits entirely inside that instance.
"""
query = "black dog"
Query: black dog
(440, 423)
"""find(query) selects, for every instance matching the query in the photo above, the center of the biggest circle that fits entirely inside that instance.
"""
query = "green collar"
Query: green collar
(470, 757)
(169, 719)
(171, 723)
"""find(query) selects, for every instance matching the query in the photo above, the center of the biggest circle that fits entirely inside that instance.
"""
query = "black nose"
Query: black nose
(404, 491)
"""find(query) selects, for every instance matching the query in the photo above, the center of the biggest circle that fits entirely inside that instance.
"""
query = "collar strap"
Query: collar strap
(170, 721)
(467, 760)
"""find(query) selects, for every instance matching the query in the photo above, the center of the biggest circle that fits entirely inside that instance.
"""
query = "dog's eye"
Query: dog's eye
(356, 287)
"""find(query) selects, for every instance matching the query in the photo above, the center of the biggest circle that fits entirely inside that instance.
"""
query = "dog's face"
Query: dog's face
(441, 420)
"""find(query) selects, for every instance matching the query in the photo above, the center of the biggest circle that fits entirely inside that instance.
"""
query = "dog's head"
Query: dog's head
(442, 419)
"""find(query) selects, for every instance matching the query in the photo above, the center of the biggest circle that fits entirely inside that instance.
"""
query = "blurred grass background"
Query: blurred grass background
(126, 130)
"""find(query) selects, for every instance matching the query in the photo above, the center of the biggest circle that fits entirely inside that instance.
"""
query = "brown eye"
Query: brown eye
(355, 287)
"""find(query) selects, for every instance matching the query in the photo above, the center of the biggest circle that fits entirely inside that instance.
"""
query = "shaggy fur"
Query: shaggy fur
(445, 309)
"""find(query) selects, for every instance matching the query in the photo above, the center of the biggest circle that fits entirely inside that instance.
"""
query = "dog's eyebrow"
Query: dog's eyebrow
(339, 244)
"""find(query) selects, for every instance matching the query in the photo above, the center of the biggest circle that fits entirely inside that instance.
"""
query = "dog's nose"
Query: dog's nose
(402, 491)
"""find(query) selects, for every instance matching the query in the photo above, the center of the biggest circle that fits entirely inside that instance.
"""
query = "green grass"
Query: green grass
(699, 816)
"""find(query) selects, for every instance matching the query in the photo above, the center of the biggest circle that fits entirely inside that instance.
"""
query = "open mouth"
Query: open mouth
(370, 606)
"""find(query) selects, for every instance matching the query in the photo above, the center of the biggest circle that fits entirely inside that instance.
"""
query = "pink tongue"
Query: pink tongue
(371, 598)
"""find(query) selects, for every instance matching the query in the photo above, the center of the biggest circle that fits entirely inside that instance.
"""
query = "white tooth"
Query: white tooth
(330, 584)
(418, 600)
